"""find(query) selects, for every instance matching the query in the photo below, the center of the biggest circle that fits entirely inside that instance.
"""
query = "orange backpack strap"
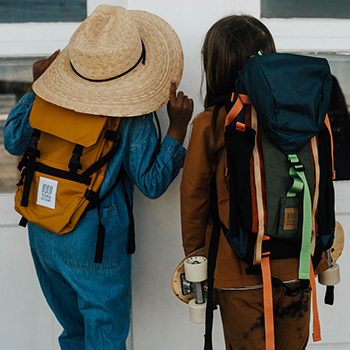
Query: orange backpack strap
(241, 100)
(315, 155)
(328, 124)
(238, 105)
(259, 194)
(268, 300)
(316, 334)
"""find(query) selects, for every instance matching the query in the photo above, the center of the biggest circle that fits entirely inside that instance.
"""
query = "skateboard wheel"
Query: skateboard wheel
(331, 276)
(197, 311)
(196, 268)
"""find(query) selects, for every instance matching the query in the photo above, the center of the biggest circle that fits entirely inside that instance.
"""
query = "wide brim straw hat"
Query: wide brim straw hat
(118, 63)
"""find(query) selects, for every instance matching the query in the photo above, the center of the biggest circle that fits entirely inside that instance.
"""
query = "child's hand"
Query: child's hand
(180, 109)
(39, 67)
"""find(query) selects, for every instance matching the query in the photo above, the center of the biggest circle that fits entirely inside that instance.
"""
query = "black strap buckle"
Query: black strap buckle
(23, 162)
(33, 144)
(74, 163)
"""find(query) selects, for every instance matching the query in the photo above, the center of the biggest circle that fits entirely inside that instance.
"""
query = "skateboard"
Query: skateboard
(338, 244)
(188, 284)
(331, 276)
(190, 275)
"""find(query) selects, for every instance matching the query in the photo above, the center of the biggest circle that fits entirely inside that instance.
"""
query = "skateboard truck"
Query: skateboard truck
(331, 277)
(188, 284)
(193, 287)
(195, 274)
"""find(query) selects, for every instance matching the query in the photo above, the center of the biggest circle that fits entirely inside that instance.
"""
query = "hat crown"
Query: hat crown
(106, 44)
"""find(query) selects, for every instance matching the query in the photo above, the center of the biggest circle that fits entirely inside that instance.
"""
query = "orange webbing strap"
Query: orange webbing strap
(232, 114)
(259, 196)
(316, 333)
(245, 99)
(328, 124)
(237, 107)
(314, 149)
(240, 126)
(268, 300)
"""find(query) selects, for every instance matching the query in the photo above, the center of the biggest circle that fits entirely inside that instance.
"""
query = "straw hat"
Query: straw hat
(118, 63)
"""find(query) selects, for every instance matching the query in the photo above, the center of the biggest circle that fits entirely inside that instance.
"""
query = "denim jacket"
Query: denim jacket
(137, 144)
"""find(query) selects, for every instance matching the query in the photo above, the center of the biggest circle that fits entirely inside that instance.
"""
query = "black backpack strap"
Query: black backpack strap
(29, 159)
(213, 252)
(103, 160)
(23, 222)
(95, 201)
(131, 247)
(93, 197)
(329, 296)
(100, 243)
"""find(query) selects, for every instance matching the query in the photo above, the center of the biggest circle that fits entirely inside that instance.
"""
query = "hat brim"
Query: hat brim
(143, 90)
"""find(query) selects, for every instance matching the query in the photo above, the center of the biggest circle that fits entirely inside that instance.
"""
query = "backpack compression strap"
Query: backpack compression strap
(316, 334)
(314, 151)
(297, 173)
(29, 160)
(259, 195)
(306, 271)
(268, 300)
(328, 125)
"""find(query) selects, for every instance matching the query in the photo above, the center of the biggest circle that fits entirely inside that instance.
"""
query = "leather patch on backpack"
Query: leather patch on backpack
(290, 219)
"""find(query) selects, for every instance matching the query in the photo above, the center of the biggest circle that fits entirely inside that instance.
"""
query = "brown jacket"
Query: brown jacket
(204, 161)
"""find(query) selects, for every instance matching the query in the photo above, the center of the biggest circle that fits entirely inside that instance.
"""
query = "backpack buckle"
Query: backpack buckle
(298, 166)
(74, 163)
(32, 146)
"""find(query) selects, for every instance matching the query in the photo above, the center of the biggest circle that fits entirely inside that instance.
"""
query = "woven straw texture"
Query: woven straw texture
(107, 44)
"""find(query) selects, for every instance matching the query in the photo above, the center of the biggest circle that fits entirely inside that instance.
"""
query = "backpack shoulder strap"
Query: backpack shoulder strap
(212, 255)
(239, 100)
(328, 125)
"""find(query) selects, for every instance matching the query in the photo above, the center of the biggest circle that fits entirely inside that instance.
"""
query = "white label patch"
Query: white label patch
(47, 193)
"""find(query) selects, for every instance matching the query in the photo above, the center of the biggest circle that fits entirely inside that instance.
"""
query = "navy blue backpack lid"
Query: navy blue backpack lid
(290, 94)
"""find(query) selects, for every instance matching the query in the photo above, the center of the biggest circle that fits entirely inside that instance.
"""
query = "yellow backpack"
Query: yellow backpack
(63, 166)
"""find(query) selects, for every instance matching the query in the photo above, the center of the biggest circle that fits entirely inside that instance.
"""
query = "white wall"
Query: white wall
(25, 317)
(160, 320)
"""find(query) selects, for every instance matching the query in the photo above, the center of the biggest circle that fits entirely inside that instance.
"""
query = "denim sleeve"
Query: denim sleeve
(17, 130)
(142, 143)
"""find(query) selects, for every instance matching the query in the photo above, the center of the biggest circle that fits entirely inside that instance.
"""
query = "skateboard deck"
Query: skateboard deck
(338, 245)
(179, 276)
(178, 281)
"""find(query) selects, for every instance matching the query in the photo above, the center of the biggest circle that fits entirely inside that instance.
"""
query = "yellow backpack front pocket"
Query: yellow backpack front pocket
(64, 165)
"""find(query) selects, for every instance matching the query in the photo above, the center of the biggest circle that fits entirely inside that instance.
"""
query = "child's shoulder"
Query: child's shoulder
(204, 119)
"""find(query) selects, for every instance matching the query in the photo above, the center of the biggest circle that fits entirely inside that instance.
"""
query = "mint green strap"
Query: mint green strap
(297, 173)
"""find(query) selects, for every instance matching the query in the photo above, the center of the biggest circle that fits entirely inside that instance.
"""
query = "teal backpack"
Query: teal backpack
(280, 169)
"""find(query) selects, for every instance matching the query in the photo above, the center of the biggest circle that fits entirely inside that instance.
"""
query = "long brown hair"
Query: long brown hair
(227, 45)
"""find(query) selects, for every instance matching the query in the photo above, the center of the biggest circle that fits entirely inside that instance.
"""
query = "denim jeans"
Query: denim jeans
(91, 301)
